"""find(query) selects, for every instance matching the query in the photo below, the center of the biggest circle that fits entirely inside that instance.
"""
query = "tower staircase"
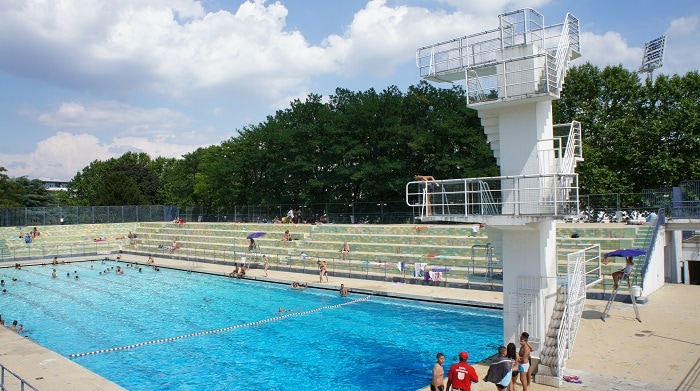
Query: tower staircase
(566, 316)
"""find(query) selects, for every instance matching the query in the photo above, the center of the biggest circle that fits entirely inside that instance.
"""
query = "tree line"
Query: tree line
(365, 146)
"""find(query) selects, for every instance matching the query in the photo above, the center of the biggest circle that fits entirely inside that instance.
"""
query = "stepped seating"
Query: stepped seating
(446, 246)
(375, 249)
(226, 241)
(65, 239)
(610, 237)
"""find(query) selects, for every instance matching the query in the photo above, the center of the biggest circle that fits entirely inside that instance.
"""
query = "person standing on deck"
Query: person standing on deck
(461, 375)
(438, 382)
(524, 361)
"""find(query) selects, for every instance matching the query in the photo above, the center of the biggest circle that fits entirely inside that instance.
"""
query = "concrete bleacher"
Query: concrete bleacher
(376, 250)
(57, 240)
(610, 237)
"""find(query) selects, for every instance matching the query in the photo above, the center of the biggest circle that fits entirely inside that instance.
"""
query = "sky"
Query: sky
(85, 80)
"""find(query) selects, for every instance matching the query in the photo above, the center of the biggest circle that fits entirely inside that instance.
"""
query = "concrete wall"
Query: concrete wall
(656, 274)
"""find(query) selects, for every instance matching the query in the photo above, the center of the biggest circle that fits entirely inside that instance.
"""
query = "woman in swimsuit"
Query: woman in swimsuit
(512, 354)
(322, 271)
(344, 251)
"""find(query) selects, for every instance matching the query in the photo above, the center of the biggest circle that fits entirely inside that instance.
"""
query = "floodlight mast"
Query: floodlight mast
(653, 56)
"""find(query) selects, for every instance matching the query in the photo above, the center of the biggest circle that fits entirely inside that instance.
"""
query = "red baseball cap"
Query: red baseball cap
(463, 355)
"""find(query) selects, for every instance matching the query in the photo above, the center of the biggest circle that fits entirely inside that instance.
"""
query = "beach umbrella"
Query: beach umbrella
(255, 235)
(626, 252)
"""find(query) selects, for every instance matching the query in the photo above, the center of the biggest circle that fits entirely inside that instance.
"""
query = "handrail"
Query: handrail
(23, 382)
(573, 143)
(660, 221)
(515, 195)
(575, 299)
(472, 51)
(562, 54)
(488, 203)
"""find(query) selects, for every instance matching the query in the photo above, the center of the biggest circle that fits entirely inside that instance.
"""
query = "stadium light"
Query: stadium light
(653, 56)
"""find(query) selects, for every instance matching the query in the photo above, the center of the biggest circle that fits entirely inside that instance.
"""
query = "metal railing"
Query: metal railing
(511, 78)
(569, 34)
(8, 383)
(58, 215)
(401, 268)
(583, 270)
(684, 209)
(490, 76)
(574, 149)
(48, 251)
(454, 55)
(521, 195)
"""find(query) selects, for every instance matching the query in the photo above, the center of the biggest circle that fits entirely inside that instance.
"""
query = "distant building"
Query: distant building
(54, 184)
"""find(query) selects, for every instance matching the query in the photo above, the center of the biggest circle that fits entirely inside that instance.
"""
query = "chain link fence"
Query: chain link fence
(374, 212)
(57, 215)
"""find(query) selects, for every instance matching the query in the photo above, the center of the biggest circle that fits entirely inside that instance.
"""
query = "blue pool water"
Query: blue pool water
(233, 336)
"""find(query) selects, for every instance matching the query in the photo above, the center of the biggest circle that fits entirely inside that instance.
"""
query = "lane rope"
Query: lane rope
(222, 330)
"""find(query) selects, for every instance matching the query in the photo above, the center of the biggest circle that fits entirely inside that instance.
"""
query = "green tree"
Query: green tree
(636, 135)
(32, 192)
(118, 188)
(87, 185)
(8, 191)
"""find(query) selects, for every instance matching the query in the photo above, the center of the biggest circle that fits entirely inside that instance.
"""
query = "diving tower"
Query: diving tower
(512, 74)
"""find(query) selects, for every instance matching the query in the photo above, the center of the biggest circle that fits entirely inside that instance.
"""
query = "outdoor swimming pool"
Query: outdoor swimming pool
(175, 330)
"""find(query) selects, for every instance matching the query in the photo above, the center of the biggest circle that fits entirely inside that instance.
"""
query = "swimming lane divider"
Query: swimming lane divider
(225, 329)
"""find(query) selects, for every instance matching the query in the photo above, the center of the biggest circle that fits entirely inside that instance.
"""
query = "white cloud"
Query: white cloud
(121, 127)
(381, 37)
(58, 157)
(108, 116)
(64, 154)
(155, 46)
(682, 51)
(179, 50)
(117, 58)
(609, 49)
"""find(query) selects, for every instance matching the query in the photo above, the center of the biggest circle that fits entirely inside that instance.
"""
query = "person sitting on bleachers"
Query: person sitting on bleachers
(174, 247)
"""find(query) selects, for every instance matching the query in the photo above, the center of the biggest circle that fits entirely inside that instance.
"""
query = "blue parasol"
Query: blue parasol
(626, 252)
(256, 235)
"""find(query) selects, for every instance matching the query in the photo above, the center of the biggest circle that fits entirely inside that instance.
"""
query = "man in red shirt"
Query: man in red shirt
(461, 375)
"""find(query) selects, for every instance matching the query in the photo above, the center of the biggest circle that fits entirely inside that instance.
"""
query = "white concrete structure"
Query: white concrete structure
(512, 74)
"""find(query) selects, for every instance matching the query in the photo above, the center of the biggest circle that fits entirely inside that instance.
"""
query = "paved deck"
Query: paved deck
(621, 354)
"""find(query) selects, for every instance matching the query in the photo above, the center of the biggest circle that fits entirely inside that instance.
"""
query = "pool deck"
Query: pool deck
(620, 354)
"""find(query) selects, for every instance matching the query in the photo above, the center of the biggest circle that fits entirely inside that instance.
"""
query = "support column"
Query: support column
(674, 256)
(529, 280)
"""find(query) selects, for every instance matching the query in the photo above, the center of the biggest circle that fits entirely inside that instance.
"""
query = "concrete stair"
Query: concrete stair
(489, 120)
(548, 371)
